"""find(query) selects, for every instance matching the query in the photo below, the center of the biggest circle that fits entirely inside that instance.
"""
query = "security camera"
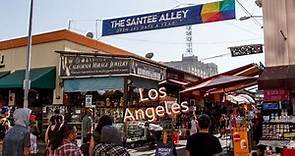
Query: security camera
(259, 3)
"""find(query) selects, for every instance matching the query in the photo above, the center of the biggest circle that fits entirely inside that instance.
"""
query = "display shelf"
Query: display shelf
(276, 130)
(274, 143)
(272, 122)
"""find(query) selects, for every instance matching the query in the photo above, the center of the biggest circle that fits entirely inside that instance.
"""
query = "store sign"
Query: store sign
(163, 150)
(148, 71)
(246, 50)
(88, 100)
(2, 63)
(81, 65)
(240, 142)
(204, 13)
(276, 95)
(11, 101)
(152, 113)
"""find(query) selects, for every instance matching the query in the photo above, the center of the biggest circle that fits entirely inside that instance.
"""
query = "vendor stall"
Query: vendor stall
(278, 125)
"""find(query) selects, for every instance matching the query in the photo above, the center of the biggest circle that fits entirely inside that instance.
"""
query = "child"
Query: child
(34, 130)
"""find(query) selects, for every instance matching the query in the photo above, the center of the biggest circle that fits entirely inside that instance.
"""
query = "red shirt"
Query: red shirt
(67, 148)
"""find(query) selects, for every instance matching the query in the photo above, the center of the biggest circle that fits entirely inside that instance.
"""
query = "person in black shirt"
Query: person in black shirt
(203, 143)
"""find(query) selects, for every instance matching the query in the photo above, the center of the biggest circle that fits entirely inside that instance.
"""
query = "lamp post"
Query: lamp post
(248, 17)
(27, 82)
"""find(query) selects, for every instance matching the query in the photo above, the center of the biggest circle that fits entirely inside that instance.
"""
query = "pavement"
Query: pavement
(144, 150)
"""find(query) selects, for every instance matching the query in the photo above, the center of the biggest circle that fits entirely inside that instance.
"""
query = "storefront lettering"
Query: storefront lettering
(149, 73)
(2, 64)
(151, 113)
(93, 65)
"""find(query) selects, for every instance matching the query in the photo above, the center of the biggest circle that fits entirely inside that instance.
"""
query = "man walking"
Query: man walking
(86, 124)
(203, 143)
(17, 139)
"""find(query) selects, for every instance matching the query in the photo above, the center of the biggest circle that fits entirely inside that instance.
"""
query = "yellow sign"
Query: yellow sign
(240, 142)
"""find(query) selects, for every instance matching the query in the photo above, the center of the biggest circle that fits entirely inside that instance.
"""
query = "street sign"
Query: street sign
(88, 100)
(204, 13)
(246, 50)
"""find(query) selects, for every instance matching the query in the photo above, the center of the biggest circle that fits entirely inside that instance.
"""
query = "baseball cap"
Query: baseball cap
(4, 109)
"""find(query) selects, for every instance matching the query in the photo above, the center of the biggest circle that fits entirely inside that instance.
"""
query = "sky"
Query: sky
(209, 40)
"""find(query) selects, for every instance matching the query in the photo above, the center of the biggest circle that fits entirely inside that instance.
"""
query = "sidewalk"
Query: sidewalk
(144, 151)
(140, 151)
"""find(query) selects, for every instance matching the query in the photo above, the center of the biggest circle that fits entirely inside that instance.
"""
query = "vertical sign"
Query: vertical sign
(88, 100)
(11, 101)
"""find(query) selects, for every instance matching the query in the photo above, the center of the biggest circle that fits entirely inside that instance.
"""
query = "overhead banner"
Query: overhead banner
(204, 13)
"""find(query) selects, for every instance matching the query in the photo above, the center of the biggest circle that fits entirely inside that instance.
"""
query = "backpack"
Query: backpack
(2, 129)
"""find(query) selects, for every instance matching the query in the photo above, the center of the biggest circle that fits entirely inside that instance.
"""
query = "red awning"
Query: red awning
(222, 82)
(247, 70)
(277, 77)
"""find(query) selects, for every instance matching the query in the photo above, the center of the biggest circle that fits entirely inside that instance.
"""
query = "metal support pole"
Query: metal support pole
(27, 82)
(69, 26)
(96, 33)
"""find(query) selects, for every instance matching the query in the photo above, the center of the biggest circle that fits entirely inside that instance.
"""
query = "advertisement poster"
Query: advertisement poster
(88, 101)
(240, 142)
(164, 150)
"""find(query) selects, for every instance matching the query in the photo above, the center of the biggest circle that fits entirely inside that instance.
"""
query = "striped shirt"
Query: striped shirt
(67, 148)
(110, 150)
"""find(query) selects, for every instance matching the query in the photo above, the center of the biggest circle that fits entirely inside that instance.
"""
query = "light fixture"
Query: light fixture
(248, 17)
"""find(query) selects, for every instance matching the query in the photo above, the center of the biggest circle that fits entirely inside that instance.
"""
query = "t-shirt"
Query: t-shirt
(15, 140)
(110, 150)
(203, 144)
(86, 125)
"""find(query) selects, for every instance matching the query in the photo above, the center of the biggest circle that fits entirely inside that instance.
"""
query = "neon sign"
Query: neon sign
(152, 113)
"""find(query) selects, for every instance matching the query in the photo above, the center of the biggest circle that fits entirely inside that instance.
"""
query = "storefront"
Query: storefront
(105, 87)
(107, 83)
(278, 122)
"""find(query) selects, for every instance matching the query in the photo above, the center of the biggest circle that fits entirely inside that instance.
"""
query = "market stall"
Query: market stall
(278, 125)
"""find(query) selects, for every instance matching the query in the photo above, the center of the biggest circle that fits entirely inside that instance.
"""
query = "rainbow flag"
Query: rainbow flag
(218, 11)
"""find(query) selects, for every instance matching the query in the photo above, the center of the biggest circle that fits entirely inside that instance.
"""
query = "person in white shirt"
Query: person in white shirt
(194, 126)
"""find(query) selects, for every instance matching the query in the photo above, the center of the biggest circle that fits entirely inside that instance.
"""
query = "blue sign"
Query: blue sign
(209, 12)
(164, 151)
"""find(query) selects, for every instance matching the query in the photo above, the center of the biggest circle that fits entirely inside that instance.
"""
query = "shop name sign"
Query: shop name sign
(204, 13)
(93, 65)
(152, 113)
(148, 71)
(246, 50)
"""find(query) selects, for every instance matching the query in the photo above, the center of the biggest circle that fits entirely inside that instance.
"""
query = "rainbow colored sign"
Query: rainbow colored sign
(204, 13)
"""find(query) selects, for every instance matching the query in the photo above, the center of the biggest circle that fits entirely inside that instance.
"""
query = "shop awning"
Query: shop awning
(240, 99)
(277, 77)
(173, 82)
(42, 78)
(221, 82)
(2, 74)
(247, 70)
(143, 83)
(93, 84)
(233, 87)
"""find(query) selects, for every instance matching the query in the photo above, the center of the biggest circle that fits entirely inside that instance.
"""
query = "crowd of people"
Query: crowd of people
(102, 140)
(60, 137)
